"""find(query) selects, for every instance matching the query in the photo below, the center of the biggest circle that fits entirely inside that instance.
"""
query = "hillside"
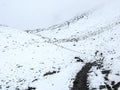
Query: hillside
(81, 53)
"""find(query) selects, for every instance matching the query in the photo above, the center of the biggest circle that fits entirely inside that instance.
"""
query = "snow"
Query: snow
(27, 58)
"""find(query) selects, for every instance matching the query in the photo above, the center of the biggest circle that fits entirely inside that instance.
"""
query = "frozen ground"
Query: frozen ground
(51, 58)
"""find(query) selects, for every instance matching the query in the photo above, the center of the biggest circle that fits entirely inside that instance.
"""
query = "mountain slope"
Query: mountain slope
(26, 58)
(51, 59)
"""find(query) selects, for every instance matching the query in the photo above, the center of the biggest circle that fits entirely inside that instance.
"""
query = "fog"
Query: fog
(32, 14)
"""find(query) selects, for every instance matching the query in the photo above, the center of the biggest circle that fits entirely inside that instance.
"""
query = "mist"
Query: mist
(33, 14)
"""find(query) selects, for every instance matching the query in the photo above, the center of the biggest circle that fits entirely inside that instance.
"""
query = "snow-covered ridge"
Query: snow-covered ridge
(67, 23)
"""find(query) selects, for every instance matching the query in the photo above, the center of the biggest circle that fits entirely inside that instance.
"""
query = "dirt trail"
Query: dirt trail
(80, 82)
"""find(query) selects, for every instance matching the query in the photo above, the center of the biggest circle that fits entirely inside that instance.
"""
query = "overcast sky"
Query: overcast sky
(32, 14)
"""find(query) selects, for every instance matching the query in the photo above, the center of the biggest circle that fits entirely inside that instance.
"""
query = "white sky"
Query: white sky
(32, 14)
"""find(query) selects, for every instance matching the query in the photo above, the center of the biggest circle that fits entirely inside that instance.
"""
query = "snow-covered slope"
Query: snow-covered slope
(26, 58)
(49, 59)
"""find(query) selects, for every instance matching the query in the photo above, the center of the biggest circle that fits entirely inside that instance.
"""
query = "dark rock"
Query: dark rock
(108, 86)
(78, 59)
(94, 89)
(113, 83)
(106, 78)
(96, 53)
(102, 87)
(34, 80)
(105, 71)
(116, 86)
(49, 73)
(31, 88)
